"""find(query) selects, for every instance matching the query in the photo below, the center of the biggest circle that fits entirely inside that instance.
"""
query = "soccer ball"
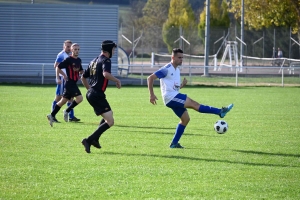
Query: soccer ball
(221, 126)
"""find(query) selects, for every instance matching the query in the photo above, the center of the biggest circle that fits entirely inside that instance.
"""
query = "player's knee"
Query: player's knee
(185, 121)
(110, 122)
(57, 98)
(79, 99)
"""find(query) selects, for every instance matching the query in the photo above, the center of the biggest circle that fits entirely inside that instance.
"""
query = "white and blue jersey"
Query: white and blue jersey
(169, 82)
(60, 57)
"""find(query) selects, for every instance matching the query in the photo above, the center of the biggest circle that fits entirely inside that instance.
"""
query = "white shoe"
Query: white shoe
(50, 119)
(66, 116)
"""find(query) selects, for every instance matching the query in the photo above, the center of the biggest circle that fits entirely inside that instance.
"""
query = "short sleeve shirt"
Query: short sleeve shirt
(169, 82)
(95, 73)
(60, 57)
(73, 67)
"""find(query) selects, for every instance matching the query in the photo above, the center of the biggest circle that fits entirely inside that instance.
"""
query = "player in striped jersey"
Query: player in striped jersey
(73, 68)
(60, 87)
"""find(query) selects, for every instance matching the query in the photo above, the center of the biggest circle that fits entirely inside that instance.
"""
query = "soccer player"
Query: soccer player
(60, 87)
(73, 67)
(170, 84)
(99, 73)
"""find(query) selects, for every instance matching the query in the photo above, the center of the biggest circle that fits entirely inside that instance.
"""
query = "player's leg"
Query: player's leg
(93, 139)
(78, 99)
(57, 107)
(58, 95)
(71, 113)
(177, 105)
(190, 103)
(101, 108)
(184, 120)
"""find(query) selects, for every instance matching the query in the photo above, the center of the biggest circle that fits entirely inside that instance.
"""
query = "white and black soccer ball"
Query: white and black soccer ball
(221, 126)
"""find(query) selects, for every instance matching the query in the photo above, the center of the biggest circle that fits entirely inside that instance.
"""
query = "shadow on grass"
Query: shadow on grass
(269, 154)
(198, 159)
(147, 127)
(158, 132)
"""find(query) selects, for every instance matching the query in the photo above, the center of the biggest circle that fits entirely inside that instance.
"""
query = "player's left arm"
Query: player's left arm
(109, 76)
(80, 69)
(106, 68)
(184, 82)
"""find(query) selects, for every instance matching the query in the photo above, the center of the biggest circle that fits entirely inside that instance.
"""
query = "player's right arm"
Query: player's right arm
(150, 81)
(58, 71)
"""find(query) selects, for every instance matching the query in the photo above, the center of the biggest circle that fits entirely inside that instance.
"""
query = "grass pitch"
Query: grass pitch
(258, 158)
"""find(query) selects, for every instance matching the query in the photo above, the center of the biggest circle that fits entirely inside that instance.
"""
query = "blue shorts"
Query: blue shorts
(60, 87)
(177, 104)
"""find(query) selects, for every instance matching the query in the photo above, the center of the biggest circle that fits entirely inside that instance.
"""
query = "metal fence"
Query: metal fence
(136, 74)
(140, 42)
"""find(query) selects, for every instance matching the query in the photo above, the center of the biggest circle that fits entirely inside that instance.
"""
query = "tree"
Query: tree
(269, 13)
(219, 18)
(180, 15)
(155, 13)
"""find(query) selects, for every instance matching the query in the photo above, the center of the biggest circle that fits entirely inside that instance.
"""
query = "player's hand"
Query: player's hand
(118, 84)
(66, 78)
(58, 81)
(184, 82)
(153, 99)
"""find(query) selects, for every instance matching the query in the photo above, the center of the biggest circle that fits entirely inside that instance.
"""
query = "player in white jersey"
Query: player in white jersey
(170, 84)
(60, 87)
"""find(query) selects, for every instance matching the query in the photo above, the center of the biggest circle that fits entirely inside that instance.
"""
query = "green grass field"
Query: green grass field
(258, 158)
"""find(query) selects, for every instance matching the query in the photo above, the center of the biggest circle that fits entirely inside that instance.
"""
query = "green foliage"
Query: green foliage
(180, 15)
(258, 158)
(219, 17)
(269, 13)
(155, 12)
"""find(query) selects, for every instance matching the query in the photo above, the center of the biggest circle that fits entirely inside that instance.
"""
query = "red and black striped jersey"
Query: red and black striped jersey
(73, 67)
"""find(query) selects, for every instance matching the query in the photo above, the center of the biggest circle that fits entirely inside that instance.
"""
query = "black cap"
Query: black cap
(108, 45)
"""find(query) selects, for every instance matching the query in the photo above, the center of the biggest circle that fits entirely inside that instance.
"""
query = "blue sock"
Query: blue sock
(71, 113)
(53, 105)
(209, 109)
(179, 131)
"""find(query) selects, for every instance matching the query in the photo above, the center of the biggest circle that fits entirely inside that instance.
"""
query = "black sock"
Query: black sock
(73, 104)
(96, 135)
(102, 121)
(55, 110)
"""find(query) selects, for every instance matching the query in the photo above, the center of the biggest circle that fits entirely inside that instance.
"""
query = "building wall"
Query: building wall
(34, 33)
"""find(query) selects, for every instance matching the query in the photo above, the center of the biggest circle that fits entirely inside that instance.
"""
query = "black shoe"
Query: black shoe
(55, 120)
(74, 119)
(86, 145)
(178, 146)
(96, 144)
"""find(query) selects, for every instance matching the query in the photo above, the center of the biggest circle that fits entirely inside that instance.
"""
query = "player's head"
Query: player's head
(75, 49)
(67, 46)
(177, 56)
(108, 46)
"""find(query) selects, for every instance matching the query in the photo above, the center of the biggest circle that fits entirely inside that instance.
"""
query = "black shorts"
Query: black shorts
(71, 90)
(98, 101)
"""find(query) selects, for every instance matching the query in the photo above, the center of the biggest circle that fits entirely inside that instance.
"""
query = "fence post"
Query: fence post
(152, 59)
(236, 76)
(43, 74)
(282, 73)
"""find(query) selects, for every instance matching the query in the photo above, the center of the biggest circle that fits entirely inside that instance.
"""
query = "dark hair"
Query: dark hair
(176, 50)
